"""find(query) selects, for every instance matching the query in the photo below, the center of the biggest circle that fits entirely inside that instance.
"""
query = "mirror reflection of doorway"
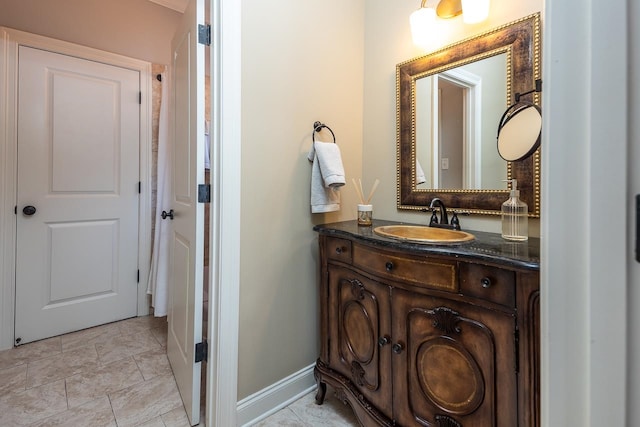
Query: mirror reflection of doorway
(451, 136)
(459, 108)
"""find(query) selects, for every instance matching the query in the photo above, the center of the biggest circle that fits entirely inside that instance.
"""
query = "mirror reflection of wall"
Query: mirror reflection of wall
(456, 115)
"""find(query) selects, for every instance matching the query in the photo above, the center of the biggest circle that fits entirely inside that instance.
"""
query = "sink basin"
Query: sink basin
(423, 234)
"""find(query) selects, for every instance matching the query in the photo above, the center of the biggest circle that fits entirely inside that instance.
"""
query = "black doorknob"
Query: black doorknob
(164, 214)
(29, 210)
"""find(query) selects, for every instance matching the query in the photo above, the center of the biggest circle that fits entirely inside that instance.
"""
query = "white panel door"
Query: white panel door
(187, 235)
(77, 186)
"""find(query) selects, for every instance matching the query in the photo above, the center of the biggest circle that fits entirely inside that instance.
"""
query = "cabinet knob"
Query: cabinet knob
(485, 282)
(397, 348)
(339, 250)
(389, 266)
(382, 341)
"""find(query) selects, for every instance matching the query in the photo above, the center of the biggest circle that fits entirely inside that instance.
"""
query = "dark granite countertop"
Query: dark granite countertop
(489, 247)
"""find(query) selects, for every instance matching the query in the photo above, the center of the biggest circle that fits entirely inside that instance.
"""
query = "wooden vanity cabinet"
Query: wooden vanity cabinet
(426, 340)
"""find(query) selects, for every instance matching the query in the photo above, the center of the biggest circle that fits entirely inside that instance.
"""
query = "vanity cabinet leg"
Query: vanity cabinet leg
(322, 387)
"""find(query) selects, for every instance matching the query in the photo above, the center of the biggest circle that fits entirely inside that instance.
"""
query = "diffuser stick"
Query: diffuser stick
(373, 190)
(358, 190)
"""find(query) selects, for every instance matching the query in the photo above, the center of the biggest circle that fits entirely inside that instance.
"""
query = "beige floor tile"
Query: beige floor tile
(29, 352)
(176, 418)
(332, 412)
(25, 407)
(142, 402)
(13, 379)
(141, 324)
(155, 422)
(123, 346)
(85, 387)
(89, 337)
(96, 413)
(285, 417)
(153, 363)
(160, 334)
(61, 366)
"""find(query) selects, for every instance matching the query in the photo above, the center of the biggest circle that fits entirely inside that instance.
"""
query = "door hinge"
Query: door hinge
(204, 34)
(139, 187)
(140, 98)
(516, 339)
(204, 193)
(138, 276)
(201, 351)
(15, 210)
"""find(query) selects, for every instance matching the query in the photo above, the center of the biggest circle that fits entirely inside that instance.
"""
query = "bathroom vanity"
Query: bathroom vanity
(429, 335)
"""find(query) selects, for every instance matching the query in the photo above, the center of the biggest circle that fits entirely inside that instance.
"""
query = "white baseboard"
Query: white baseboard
(271, 399)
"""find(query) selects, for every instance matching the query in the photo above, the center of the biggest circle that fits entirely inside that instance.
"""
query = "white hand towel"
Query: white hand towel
(420, 178)
(328, 155)
(325, 195)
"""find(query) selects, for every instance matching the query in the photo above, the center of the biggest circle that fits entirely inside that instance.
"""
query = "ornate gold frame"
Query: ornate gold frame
(521, 40)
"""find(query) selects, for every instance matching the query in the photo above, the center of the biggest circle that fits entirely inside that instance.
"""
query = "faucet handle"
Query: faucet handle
(434, 218)
(455, 222)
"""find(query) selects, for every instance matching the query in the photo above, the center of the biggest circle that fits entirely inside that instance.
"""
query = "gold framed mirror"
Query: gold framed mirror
(457, 158)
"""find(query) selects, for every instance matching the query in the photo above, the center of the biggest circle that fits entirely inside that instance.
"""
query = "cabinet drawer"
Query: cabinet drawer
(421, 271)
(488, 283)
(339, 249)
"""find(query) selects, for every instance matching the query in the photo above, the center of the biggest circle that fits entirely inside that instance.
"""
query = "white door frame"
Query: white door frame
(584, 179)
(633, 345)
(224, 237)
(10, 39)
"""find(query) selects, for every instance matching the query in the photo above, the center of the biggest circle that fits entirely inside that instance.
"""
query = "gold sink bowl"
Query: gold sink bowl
(423, 234)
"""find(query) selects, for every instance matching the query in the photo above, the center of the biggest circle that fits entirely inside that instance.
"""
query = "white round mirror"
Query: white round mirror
(519, 131)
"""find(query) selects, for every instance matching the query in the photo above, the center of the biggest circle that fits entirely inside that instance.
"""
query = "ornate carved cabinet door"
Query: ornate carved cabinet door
(453, 363)
(359, 320)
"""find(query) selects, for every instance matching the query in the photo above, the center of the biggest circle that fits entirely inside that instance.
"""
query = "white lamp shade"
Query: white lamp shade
(474, 11)
(422, 21)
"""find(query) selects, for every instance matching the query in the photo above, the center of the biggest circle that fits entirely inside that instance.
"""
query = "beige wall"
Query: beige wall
(135, 28)
(302, 61)
(387, 43)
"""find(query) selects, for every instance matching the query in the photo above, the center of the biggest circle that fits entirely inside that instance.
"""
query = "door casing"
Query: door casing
(10, 41)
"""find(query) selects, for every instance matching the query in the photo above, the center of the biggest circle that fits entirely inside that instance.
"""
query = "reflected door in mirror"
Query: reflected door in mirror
(457, 112)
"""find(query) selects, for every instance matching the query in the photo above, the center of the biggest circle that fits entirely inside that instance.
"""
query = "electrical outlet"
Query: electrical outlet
(445, 163)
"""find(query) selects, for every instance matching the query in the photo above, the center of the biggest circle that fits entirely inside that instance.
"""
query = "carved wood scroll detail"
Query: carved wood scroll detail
(446, 320)
(357, 374)
(444, 421)
(357, 289)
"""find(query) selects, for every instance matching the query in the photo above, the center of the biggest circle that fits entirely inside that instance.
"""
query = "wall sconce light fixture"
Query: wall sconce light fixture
(473, 11)
(422, 20)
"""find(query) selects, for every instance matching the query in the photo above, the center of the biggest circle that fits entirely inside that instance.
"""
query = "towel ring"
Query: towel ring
(317, 127)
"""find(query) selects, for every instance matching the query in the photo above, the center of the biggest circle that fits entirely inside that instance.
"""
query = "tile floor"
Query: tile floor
(305, 413)
(117, 375)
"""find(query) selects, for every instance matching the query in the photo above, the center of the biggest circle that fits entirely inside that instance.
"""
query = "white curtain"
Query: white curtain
(159, 278)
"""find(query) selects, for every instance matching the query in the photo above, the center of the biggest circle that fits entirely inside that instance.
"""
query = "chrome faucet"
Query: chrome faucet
(437, 204)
